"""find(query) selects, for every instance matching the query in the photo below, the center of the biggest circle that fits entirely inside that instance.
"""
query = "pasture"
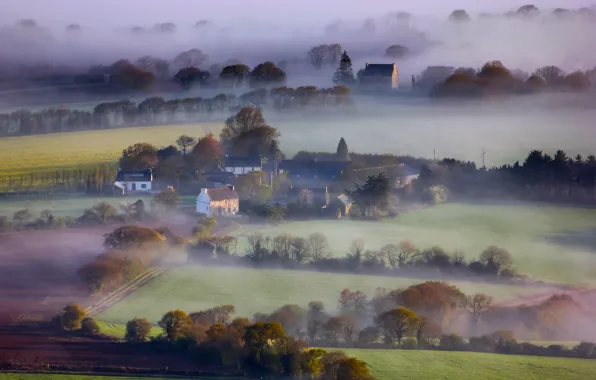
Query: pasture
(532, 233)
(71, 205)
(194, 287)
(435, 365)
(24, 154)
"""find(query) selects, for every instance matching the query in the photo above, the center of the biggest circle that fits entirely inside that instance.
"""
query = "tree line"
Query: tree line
(493, 78)
(540, 176)
(158, 111)
(422, 316)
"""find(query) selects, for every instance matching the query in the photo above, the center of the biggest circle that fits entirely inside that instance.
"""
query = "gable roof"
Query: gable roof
(239, 161)
(134, 176)
(379, 69)
(313, 167)
(222, 193)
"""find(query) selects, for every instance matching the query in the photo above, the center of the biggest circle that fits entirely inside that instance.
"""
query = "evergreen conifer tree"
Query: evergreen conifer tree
(342, 150)
(344, 74)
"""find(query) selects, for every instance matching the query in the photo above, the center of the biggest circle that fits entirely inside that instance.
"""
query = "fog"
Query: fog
(262, 30)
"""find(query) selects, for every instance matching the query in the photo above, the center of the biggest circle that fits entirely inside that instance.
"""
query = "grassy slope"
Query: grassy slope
(430, 365)
(40, 152)
(194, 287)
(522, 229)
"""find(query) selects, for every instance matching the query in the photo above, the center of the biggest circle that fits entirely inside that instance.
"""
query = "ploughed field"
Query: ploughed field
(442, 365)
(549, 243)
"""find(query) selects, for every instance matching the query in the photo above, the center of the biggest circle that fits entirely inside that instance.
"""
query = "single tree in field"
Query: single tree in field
(496, 259)
(396, 51)
(137, 330)
(317, 55)
(184, 142)
(175, 324)
(476, 305)
(342, 152)
(459, 15)
(72, 316)
(397, 323)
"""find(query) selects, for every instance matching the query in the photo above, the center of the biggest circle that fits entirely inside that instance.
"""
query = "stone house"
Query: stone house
(222, 201)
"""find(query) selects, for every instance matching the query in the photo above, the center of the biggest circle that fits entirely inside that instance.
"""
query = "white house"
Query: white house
(133, 180)
(242, 165)
(218, 201)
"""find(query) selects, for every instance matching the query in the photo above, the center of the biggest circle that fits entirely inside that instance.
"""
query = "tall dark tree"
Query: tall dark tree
(344, 73)
(342, 152)
(372, 195)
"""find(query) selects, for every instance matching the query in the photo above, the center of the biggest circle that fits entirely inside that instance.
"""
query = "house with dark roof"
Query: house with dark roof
(242, 165)
(221, 201)
(379, 77)
(131, 181)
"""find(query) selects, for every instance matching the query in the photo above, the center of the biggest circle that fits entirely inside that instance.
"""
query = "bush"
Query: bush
(4, 224)
(137, 330)
(89, 326)
(452, 342)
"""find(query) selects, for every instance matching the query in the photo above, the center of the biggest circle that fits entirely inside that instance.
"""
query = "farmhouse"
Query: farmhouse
(381, 77)
(218, 201)
(242, 165)
(406, 176)
(130, 181)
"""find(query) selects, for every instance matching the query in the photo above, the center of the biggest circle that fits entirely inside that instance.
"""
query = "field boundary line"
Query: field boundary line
(124, 291)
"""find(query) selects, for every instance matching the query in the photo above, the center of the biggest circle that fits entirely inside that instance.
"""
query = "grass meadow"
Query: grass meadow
(528, 231)
(194, 287)
(440, 365)
(24, 154)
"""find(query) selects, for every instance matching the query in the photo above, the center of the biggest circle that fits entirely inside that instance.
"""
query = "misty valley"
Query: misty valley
(193, 190)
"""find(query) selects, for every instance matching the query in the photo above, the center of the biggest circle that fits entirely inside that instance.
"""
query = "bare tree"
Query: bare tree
(318, 246)
(390, 252)
(407, 252)
(317, 55)
(476, 305)
(498, 258)
(282, 244)
(300, 249)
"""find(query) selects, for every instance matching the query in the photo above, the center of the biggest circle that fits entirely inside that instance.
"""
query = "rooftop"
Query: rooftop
(222, 193)
(239, 161)
(134, 176)
(379, 69)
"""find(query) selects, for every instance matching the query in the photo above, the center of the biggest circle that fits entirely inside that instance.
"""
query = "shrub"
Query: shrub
(452, 342)
(137, 330)
(89, 326)
(4, 224)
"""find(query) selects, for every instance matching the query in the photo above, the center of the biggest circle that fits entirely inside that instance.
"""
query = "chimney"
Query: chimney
(366, 65)
(231, 187)
(204, 190)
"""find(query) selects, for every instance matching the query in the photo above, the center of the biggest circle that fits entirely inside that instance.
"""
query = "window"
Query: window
(143, 186)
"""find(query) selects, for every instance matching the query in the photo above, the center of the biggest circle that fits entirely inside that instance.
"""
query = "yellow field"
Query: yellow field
(60, 150)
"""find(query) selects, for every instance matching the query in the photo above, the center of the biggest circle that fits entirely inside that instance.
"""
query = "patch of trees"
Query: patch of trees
(259, 348)
(540, 176)
(496, 79)
(130, 251)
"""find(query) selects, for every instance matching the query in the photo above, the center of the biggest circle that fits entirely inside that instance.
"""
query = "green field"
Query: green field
(194, 287)
(70, 205)
(73, 149)
(520, 228)
(435, 365)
